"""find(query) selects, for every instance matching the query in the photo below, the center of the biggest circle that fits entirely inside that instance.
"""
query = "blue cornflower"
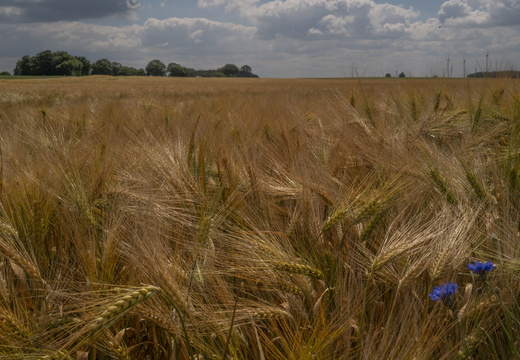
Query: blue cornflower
(443, 292)
(481, 267)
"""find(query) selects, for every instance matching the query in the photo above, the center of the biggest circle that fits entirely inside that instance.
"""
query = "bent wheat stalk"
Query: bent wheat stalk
(295, 268)
(8, 250)
(121, 306)
(56, 356)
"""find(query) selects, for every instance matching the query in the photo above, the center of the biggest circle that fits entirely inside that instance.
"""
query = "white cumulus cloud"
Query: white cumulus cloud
(186, 32)
(480, 13)
(308, 19)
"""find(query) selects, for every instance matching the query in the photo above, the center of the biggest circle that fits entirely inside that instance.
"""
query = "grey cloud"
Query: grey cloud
(230, 5)
(75, 37)
(210, 3)
(459, 9)
(286, 24)
(480, 13)
(196, 34)
(30, 11)
(504, 13)
(311, 19)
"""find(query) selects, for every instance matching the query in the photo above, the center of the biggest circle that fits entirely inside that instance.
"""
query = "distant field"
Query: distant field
(209, 218)
(25, 77)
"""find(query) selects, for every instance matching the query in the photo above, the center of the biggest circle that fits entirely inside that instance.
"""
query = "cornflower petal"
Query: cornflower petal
(444, 291)
(479, 267)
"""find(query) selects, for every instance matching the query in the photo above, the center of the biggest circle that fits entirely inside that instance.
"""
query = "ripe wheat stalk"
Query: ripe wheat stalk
(311, 221)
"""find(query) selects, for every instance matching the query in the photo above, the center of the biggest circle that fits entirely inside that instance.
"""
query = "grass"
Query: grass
(269, 219)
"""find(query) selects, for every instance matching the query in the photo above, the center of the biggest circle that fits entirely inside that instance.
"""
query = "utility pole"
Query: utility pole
(464, 66)
(448, 67)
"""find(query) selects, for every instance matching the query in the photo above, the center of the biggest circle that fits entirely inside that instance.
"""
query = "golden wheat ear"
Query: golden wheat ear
(121, 306)
(8, 238)
(299, 269)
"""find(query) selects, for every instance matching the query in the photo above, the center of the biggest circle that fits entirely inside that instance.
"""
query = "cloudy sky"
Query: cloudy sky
(278, 38)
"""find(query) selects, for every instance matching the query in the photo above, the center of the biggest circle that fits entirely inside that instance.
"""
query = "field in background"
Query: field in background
(258, 218)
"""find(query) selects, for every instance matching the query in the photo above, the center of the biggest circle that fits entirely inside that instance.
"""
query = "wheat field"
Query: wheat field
(156, 218)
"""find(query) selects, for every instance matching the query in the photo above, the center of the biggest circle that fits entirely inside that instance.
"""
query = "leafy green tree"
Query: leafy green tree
(246, 68)
(65, 64)
(155, 68)
(246, 74)
(176, 70)
(5, 73)
(43, 64)
(24, 66)
(70, 67)
(115, 66)
(125, 71)
(59, 57)
(102, 67)
(129, 71)
(85, 65)
(246, 71)
(229, 70)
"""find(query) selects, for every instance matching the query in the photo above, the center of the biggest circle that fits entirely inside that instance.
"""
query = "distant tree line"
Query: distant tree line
(496, 74)
(158, 68)
(60, 63)
(53, 63)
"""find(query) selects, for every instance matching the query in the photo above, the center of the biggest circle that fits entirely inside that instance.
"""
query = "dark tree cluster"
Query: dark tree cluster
(106, 67)
(60, 63)
(158, 68)
(496, 74)
(47, 63)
